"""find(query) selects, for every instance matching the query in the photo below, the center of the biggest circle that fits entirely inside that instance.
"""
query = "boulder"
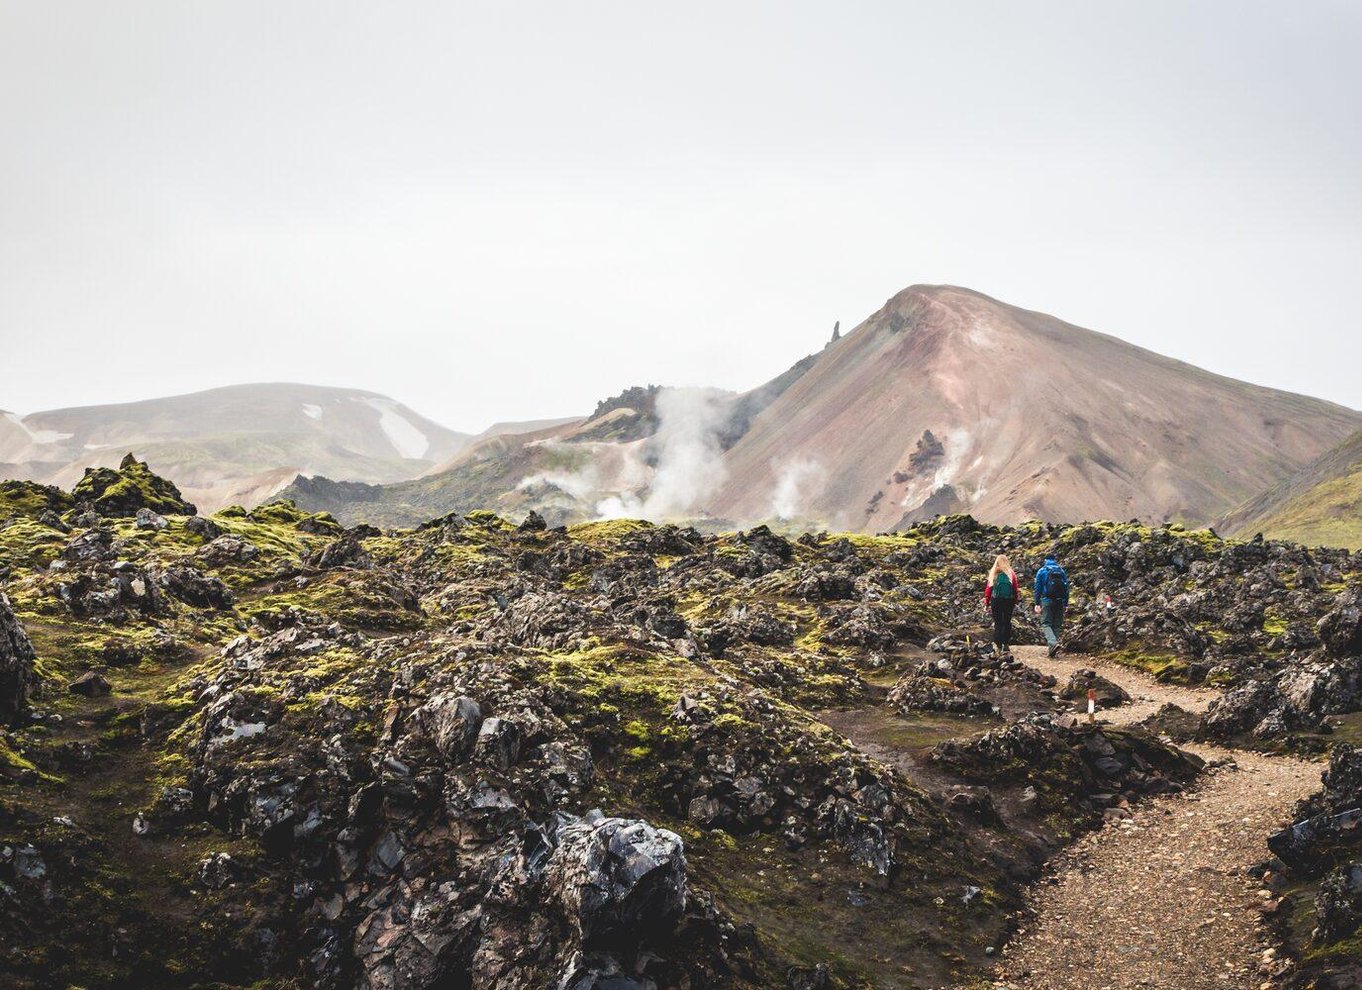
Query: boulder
(617, 880)
(533, 523)
(547, 620)
(1108, 693)
(345, 551)
(452, 722)
(146, 519)
(1338, 905)
(1341, 628)
(201, 527)
(918, 693)
(193, 587)
(975, 802)
(91, 684)
(1308, 843)
(17, 676)
(498, 742)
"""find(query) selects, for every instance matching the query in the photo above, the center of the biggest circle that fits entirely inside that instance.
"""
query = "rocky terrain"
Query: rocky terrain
(485, 752)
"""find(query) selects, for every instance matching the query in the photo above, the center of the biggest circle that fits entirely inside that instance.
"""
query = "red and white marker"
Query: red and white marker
(1092, 704)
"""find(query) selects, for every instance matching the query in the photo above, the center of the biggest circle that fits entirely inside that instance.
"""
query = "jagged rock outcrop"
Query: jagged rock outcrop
(16, 664)
(130, 489)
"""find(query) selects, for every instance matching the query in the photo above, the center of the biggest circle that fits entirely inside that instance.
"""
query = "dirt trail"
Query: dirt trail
(1160, 900)
(1147, 694)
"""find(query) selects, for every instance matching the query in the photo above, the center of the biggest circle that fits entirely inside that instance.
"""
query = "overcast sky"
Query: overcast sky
(510, 210)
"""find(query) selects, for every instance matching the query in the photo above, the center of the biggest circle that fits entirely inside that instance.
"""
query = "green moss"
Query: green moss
(284, 512)
(488, 520)
(607, 531)
(26, 544)
(11, 759)
(1161, 666)
(1344, 948)
(132, 487)
(28, 498)
(1273, 623)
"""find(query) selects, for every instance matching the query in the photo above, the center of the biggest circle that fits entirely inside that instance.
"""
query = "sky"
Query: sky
(496, 211)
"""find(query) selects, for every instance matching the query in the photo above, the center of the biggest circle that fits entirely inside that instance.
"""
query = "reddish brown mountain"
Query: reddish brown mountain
(948, 400)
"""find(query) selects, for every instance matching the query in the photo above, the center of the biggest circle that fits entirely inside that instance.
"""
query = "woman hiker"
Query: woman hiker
(1000, 597)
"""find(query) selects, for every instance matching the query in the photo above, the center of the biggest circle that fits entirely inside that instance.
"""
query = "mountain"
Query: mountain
(1320, 505)
(944, 400)
(649, 451)
(234, 444)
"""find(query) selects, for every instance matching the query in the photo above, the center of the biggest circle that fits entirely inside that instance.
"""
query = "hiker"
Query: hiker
(1000, 597)
(1052, 598)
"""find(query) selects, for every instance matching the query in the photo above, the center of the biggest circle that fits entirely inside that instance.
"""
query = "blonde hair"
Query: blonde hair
(1000, 563)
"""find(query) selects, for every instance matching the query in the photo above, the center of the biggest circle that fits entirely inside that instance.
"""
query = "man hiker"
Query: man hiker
(1052, 598)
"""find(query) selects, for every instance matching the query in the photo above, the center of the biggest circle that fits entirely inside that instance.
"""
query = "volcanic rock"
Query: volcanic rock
(91, 684)
(16, 664)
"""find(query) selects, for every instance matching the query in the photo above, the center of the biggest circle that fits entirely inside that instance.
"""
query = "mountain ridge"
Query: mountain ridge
(978, 367)
(944, 400)
(234, 441)
(1322, 504)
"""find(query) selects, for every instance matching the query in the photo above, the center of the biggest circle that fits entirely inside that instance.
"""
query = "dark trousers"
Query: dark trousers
(1002, 620)
(1052, 620)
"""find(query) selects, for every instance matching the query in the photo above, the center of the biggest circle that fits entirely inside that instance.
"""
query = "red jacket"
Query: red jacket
(988, 589)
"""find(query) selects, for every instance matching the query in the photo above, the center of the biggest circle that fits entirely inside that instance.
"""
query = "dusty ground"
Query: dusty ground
(1161, 900)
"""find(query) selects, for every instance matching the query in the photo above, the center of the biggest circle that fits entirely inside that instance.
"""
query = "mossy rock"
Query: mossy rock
(132, 487)
(28, 498)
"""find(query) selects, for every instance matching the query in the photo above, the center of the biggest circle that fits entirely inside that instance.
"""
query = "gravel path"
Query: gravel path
(1147, 694)
(1161, 900)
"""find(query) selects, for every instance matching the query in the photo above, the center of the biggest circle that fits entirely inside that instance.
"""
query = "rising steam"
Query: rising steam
(796, 481)
(689, 466)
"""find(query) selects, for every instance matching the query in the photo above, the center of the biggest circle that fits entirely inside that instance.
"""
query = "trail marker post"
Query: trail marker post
(1092, 704)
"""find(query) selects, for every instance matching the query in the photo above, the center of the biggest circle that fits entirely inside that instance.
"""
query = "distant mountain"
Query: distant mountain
(239, 443)
(948, 400)
(1321, 505)
(647, 452)
(944, 400)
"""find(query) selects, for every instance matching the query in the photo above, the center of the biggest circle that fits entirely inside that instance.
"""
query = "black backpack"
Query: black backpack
(1057, 585)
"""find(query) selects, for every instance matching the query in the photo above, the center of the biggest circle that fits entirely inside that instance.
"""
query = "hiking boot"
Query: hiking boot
(1053, 651)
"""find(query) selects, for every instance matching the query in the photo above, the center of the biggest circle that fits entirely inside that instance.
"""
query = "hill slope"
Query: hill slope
(946, 399)
(238, 443)
(943, 401)
(1320, 505)
(652, 452)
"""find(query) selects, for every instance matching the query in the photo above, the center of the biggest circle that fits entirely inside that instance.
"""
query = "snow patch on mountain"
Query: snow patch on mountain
(37, 436)
(406, 438)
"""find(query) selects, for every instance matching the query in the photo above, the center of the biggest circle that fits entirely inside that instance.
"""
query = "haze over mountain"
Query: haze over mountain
(944, 400)
(234, 444)
(1322, 504)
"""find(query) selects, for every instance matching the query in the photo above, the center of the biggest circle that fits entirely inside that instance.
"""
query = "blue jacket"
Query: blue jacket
(1043, 578)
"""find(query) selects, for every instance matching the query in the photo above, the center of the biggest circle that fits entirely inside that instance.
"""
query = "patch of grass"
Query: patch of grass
(1161, 666)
